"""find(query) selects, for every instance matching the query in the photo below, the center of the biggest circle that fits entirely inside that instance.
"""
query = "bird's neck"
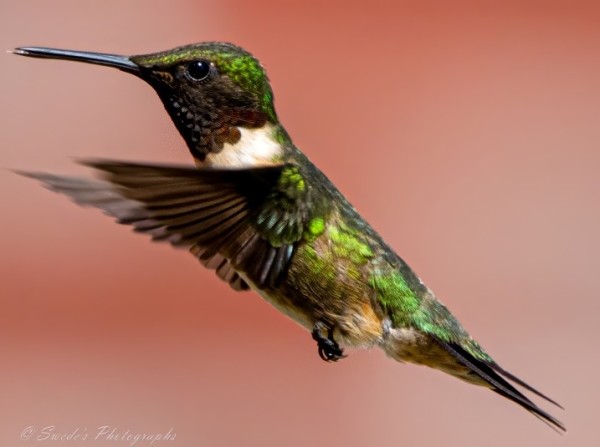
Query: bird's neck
(257, 147)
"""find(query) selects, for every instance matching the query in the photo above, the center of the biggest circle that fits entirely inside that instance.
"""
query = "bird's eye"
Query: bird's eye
(198, 70)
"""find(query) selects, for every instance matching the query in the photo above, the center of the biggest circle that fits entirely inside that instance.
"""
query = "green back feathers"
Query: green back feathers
(292, 211)
(420, 311)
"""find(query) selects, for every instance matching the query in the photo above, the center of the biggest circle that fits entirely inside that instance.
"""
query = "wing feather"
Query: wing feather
(212, 212)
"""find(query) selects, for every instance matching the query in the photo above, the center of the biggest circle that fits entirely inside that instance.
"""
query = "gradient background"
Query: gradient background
(468, 135)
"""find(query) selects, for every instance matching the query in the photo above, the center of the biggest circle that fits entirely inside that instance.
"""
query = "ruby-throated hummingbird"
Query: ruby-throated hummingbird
(256, 210)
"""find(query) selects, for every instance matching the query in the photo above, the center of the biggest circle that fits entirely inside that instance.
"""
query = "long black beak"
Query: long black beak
(110, 60)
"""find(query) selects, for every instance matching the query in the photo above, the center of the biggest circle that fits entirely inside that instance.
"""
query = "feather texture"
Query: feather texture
(212, 212)
(491, 374)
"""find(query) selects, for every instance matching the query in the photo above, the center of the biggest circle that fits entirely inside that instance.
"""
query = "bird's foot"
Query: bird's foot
(329, 350)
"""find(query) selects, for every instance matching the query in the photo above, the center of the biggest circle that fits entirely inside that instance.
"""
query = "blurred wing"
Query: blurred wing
(212, 212)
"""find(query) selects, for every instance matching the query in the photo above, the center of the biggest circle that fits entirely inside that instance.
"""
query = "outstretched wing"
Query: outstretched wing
(233, 221)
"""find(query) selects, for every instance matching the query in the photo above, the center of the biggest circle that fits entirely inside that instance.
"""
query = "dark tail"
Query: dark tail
(496, 377)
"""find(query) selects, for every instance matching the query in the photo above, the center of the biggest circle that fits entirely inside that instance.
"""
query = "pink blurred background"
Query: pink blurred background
(467, 135)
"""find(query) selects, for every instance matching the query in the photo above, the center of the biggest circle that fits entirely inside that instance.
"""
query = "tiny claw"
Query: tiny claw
(329, 350)
(323, 354)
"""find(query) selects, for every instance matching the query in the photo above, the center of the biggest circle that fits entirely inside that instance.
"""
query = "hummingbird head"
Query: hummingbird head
(211, 89)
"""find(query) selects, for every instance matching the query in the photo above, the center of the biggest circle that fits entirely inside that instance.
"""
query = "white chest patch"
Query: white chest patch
(256, 147)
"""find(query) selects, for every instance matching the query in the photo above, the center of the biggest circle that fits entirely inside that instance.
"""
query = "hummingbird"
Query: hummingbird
(258, 212)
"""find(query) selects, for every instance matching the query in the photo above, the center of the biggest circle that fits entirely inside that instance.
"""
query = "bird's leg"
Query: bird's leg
(329, 350)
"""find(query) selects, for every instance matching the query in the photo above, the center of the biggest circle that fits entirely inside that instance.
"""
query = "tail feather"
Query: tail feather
(492, 374)
(520, 382)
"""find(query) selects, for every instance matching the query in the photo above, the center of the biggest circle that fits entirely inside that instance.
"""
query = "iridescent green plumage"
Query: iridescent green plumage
(421, 312)
(239, 66)
(260, 214)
